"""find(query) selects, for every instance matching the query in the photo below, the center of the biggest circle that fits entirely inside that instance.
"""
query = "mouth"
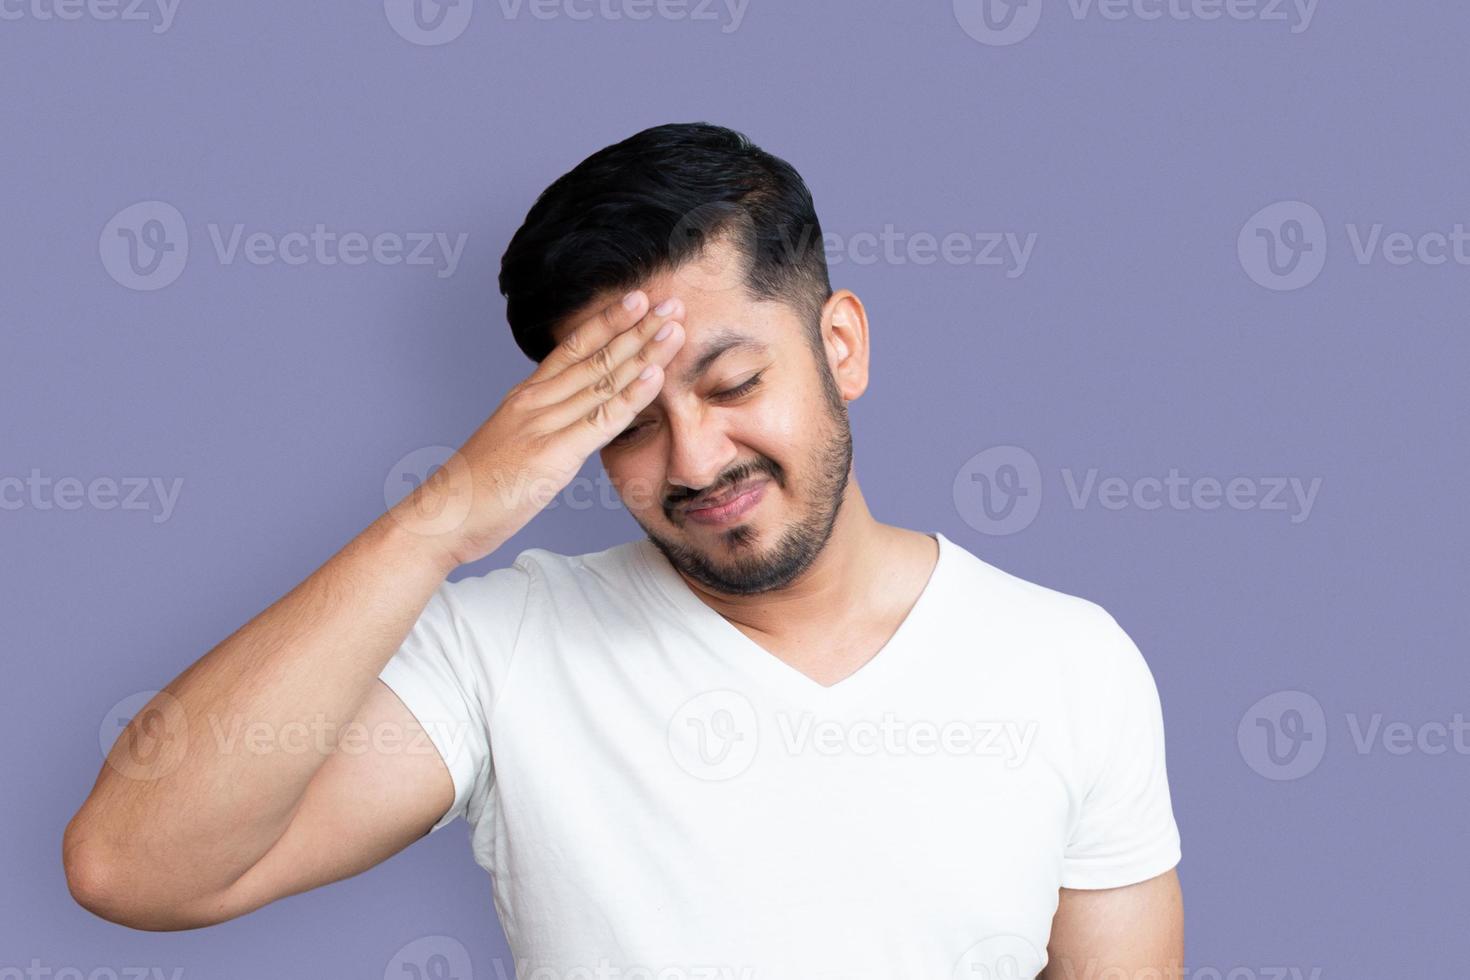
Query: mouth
(726, 507)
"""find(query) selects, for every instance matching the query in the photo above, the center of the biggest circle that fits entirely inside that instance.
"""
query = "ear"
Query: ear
(845, 337)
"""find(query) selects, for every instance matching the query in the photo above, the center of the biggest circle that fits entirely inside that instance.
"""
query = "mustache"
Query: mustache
(737, 475)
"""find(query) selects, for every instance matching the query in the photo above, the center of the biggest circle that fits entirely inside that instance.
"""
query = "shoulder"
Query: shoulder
(544, 578)
(1075, 635)
(1023, 602)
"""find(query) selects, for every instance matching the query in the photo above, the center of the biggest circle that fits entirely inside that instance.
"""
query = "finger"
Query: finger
(599, 369)
(611, 416)
(618, 366)
(593, 333)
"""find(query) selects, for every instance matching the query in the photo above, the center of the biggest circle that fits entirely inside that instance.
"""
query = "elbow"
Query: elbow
(100, 883)
(90, 876)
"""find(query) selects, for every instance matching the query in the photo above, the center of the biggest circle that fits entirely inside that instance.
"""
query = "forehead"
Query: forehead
(716, 304)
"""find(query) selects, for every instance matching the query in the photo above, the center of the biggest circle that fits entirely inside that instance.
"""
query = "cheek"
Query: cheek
(779, 428)
(634, 480)
(773, 430)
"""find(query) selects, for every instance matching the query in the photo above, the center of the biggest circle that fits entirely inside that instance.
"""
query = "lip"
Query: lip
(731, 508)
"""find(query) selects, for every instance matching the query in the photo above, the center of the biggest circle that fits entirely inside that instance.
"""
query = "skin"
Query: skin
(1133, 933)
(809, 575)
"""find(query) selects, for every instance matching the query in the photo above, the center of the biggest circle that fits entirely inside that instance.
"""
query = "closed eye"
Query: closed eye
(729, 394)
(739, 390)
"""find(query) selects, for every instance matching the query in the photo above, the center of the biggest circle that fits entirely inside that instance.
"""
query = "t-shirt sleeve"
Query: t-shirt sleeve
(450, 670)
(1125, 830)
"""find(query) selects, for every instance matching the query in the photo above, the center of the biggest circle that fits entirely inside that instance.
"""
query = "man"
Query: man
(775, 738)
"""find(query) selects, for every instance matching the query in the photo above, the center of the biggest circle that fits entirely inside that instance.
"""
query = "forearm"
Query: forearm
(237, 737)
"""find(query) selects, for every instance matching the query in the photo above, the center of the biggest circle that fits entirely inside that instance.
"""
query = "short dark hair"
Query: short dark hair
(650, 203)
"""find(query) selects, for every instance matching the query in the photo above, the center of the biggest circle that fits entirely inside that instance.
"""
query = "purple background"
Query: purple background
(1135, 342)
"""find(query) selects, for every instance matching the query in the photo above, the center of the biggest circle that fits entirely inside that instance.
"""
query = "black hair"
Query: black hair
(647, 205)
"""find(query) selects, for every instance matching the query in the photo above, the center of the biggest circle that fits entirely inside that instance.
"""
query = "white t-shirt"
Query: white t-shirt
(657, 796)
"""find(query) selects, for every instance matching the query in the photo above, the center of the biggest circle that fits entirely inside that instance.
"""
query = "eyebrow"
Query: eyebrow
(716, 347)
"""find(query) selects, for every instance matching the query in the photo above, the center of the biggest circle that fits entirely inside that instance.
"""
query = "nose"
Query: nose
(699, 450)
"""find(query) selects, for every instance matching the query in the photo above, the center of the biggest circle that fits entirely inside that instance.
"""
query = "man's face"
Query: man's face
(743, 411)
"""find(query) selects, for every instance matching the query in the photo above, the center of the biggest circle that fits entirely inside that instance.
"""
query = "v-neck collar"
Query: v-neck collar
(745, 655)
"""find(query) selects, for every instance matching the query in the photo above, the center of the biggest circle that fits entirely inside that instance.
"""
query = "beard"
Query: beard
(742, 567)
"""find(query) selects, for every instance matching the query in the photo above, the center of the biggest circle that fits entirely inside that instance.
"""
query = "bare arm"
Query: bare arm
(184, 808)
(186, 825)
(1133, 931)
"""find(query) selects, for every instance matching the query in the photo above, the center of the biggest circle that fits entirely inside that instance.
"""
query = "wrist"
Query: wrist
(408, 541)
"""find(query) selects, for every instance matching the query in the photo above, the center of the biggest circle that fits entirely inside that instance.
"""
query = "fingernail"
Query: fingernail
(630, 301)
(664, 308)
(664, 331)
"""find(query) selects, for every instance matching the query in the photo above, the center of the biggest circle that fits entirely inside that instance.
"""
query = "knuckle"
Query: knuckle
(574, 344)
(602, 361)
(522, 396)
(600, 416)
